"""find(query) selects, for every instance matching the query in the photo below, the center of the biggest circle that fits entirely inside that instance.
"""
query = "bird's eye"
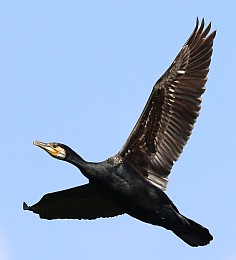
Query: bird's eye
(55, 145)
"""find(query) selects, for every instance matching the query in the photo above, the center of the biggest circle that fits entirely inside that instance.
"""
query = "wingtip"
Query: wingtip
(197, 21)
(25, 206)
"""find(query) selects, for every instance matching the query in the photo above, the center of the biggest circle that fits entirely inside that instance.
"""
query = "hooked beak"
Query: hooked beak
(48, 147)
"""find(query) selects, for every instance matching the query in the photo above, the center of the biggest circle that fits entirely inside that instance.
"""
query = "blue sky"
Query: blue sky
(80, 72)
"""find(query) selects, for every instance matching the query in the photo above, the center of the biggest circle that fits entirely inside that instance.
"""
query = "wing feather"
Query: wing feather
(167, 120)
(82, 202)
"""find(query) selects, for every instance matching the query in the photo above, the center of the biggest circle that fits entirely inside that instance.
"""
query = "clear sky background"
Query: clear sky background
(80, 73)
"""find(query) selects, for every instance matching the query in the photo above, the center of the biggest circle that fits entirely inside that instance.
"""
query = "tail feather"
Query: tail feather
(193, 233)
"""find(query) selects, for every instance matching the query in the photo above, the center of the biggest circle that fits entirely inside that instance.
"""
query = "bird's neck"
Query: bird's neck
(84, 166)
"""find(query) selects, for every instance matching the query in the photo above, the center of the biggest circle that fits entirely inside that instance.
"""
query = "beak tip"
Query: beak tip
(37, 143)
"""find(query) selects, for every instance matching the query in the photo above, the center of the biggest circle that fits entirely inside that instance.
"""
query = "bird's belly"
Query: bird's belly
(135, 195)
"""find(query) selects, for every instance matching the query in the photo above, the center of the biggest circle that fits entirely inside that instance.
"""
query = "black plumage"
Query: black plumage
(133, 181)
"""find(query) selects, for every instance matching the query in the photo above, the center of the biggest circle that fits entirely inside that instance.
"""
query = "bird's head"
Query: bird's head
(56, 150)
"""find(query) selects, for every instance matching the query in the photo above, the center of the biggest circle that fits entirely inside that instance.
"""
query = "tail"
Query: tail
(192, 233)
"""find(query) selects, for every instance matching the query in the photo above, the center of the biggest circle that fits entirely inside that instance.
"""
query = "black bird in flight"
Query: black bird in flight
(134, 180)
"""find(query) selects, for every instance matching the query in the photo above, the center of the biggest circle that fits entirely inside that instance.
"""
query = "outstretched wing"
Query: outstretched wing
(167, 120)
(82, 202)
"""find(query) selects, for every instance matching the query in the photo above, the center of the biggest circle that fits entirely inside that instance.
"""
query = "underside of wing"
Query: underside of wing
(82, 202)
(167, 120)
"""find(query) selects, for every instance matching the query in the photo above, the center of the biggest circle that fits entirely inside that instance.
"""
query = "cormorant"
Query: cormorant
(134, 180)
